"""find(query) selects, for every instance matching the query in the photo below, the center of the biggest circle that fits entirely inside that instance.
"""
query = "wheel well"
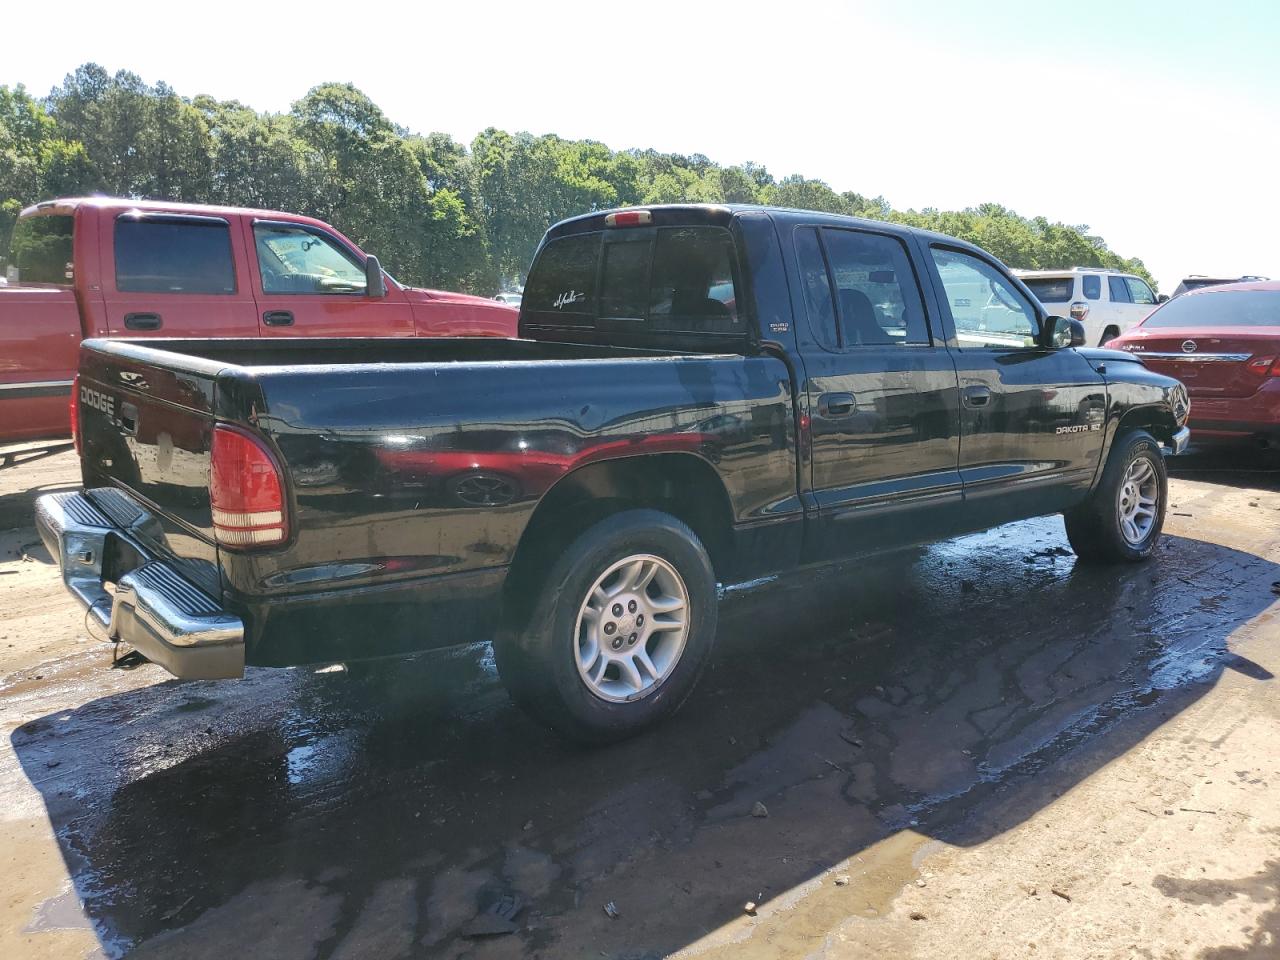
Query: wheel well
(1155, 420)
(681, 484)
(1108, 332)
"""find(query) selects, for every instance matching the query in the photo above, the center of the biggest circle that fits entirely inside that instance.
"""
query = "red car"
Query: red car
(103, 267)
(1223, 343)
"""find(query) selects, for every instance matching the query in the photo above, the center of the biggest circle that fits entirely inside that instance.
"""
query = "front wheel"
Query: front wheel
(619, 629)
(1123, 517)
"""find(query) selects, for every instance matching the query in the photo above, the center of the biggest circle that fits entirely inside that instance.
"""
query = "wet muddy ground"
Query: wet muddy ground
(976, 749)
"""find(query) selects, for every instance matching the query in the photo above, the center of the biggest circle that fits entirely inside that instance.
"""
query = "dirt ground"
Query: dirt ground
(976, 750)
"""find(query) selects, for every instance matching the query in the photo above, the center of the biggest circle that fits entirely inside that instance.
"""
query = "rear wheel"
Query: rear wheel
(619, 630)
(1123, 517)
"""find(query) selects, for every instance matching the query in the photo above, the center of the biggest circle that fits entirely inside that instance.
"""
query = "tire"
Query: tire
(545, 658)
(1106, 528)
(1108, 335)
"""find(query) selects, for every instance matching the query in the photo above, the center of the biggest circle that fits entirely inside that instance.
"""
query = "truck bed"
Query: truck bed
(412, 459)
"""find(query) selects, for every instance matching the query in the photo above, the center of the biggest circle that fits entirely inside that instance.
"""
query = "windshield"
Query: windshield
(1228, 308)
(40, 251)
(1050, 289)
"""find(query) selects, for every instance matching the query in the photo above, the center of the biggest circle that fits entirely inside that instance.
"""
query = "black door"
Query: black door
(1031, 418)
(881, 397)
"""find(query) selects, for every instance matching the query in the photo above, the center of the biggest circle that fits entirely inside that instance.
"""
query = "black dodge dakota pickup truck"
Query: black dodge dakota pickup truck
(700, 394)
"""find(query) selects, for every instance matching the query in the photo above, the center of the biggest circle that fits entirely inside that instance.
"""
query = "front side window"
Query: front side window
(1119, 290)
(1139, 292)
(1092, 284)
(41, 249)
(988, 312)
(173, 256)
(299, 260)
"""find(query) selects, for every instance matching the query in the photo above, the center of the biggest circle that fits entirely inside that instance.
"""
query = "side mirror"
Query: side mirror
(1059, 333)
(1162, 298)
(374, 284)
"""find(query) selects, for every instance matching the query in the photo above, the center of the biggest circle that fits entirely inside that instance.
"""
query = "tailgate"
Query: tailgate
(146, 426)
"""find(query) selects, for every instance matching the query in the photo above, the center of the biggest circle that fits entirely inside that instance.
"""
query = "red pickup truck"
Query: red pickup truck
(103, 267)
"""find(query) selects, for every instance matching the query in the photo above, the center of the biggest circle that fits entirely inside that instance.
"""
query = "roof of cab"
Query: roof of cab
(66, 205)
(724, 212)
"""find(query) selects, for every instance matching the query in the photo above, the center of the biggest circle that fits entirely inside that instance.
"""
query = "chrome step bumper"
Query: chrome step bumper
(153, 607)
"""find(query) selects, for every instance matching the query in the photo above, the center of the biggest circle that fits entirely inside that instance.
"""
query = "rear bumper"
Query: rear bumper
(1228, 417)
(153, 607)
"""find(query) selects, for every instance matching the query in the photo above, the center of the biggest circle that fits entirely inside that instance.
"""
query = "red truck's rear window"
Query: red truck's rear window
(41, 249)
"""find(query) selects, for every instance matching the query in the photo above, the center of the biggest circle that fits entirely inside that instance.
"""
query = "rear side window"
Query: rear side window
(877, 299)
(1119, 290)
(816, 281)
(1051, 289)
(40, 251)
(173, 256)
(562, 283)
(1092, 284)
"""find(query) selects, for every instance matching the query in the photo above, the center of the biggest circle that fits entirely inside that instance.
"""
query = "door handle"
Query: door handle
(142, 321)
(977, 396)
(834, 405)
(278, 318)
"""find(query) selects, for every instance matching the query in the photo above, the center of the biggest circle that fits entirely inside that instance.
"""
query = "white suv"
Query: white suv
(1107, 303)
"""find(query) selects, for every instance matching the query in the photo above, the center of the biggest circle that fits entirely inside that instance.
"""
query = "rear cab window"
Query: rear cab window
(1051, 289)
(637, 281)
(41, 250)
(163, 254)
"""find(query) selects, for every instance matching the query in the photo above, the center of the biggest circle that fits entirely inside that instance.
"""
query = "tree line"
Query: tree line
(436, 212)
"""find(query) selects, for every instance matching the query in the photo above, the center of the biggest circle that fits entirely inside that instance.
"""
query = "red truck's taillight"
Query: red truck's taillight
(73, 412)
(246, 491)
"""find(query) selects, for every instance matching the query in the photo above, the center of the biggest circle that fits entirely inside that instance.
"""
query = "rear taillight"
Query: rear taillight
(1079, 310)
(246, 491)
(73, 412)
(1265, 366)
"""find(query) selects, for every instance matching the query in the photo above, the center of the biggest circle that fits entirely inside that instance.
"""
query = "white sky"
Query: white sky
(1155, 124)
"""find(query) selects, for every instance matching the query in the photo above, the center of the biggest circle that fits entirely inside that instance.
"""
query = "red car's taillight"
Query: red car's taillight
(246, 491)
(1265, 366)
(1079, 310)
(73, 412)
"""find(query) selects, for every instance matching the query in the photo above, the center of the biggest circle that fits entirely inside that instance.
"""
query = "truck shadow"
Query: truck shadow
(303, 814)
